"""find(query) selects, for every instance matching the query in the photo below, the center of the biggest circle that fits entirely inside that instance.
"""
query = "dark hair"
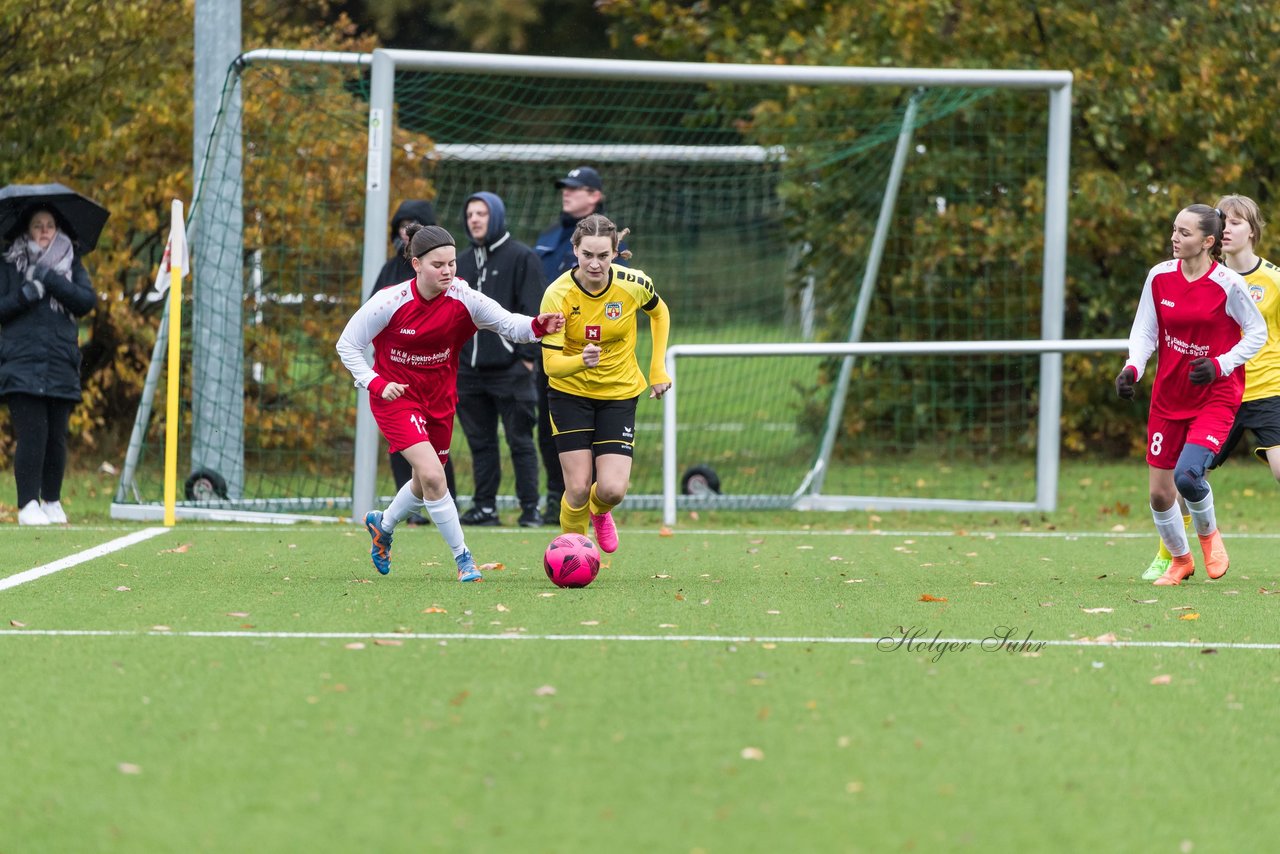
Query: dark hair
(424, 238)
(1211, 222)
(599, 225)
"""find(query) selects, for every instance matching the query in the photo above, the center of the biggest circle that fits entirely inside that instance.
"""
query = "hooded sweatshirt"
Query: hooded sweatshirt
(503, 268)
(398, 269)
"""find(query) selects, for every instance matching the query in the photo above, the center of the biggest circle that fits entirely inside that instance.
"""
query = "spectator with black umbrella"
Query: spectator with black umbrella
(44, 288)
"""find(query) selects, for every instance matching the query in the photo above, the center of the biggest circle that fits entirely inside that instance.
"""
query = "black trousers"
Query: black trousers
(401, 470)
(484, 397)
(40, 427)
(547, 443)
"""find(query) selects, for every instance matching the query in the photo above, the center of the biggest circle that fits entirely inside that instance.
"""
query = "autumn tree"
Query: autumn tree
(113, 119)
(1164, 115)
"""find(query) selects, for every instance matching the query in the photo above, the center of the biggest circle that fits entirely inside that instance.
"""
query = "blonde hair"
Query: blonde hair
(1245, 208)
(599, 225)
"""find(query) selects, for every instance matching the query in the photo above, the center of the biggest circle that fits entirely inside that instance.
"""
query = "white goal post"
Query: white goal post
(1057, 84)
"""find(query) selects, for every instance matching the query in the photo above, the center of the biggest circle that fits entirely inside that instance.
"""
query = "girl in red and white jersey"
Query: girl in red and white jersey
(417, 330)
(1196, 315)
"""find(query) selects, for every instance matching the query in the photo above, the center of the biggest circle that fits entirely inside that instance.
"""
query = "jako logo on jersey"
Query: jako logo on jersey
(613, 310)
(1213, 439)
(592, 333)
(1167, 302)
(1256, 292)
(409, 331)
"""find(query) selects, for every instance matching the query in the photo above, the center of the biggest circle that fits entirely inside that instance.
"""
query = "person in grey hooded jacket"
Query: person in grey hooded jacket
(495, 377)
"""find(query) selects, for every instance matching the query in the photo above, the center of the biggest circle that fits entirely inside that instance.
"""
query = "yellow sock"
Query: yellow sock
(598, 507)
(573, 520)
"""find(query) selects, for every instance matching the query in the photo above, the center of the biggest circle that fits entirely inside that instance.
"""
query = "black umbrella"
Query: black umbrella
(81, 218)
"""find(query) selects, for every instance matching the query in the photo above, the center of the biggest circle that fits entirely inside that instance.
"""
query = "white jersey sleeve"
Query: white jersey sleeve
(1144, 335)
(361, 329)
(488, 313)
(1253, 327)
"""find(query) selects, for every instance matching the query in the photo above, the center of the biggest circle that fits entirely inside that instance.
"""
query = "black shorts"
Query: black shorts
(584, 423)
(1262, 416)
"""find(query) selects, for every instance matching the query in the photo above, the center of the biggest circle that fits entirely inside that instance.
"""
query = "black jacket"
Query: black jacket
(506, 270)
(39, 345)
(509, 272)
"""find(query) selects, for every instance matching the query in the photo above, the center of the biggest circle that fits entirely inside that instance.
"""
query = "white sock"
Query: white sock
(445, 515)
(1202, 515)
(402, 505)
(1169, 526)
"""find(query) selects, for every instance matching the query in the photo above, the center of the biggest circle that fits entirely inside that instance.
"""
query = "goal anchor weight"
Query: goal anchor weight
(205, 485)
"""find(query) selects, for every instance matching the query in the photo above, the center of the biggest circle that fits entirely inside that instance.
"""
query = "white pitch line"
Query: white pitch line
(88, 554)
(353, 530)
(717, 639)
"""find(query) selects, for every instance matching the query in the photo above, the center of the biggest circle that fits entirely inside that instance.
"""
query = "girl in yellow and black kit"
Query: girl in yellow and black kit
(595, 380)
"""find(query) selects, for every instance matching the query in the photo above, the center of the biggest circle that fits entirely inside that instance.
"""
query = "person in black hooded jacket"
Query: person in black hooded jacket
(43, 290)
(495, 377)
(397, 270)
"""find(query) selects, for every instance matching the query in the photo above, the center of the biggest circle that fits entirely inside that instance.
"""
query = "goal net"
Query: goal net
(756, 203)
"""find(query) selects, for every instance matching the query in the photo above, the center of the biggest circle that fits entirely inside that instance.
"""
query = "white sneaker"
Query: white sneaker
(31, 514)
(53, 509)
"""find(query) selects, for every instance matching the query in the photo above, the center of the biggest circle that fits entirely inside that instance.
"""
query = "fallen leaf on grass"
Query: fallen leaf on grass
(667, 626)
(804, 548)
(1265, 592)
(1162, 679)
(1183, 608)
(661, 576)
(362, 581)
(927, 598)
(176, 550)
(237, 613)
(500, 607)
(664, 531)
(546, 595)
(773, 612)
(161, 629)
(129, 768)
(854, 581)
(1096, 610)
(1144, 601)
(122, 589)
(1109, 637)
(835, 557)
(460, 698)
(354, 645)
(497, 566)
(434, 609)
(753, 753)
(387, 642)
(544, 691)
(590, 623)
(984, 584)
(1188, 616)
(17, 625)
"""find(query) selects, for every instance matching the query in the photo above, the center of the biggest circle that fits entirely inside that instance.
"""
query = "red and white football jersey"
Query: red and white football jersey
(416, 341)
(1181, 321)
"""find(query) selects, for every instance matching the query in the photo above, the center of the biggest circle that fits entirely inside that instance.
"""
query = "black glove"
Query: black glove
(32, 292)
(1203, 371)
(1125, 381)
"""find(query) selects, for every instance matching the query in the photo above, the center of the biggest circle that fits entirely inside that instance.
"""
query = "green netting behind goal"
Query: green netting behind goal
(751, 206)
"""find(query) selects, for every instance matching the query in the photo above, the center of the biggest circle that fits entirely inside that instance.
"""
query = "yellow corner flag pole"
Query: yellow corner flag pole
(176, 257)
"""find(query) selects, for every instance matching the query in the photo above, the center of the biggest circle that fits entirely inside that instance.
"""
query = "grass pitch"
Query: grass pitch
(827, 682)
